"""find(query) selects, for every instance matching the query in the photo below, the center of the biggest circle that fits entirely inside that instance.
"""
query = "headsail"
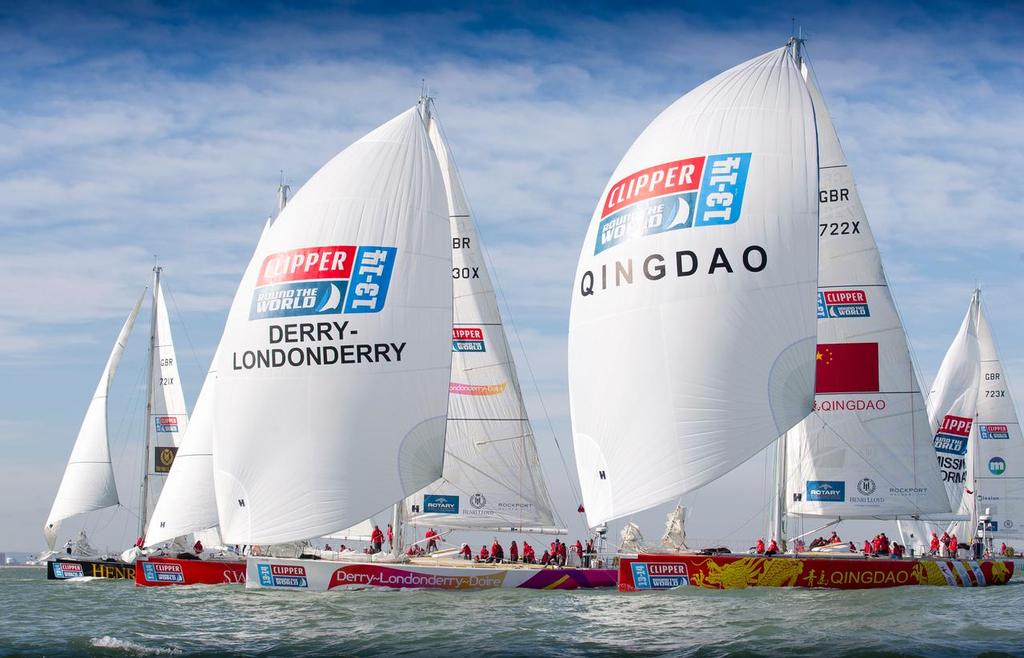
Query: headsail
(999, 468)
(332, 374)
(188, 502)
(88, 482)
(866, 451)
(492, 472)
(692, 332)
(167, 414)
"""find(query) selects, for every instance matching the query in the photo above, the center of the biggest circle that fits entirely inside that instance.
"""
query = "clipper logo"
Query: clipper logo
(826, 491)
(166, 424)
(952, 435)
(659, 575)
(281, 575)
(323, 281)
(994, 431)
(701, 191)
(842, 304)
(468, 339)
(455, 388)
(64, 570)
(440, 504)
(159, 572)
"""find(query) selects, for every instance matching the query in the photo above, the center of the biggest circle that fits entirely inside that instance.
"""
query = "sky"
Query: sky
(148, 132)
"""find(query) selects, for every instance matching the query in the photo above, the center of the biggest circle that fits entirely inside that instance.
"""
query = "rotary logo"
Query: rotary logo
(866, 486)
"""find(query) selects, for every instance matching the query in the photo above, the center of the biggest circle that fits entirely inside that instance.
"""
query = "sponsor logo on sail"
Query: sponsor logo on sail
(852, 404)
(62, 570)
(700, 191)
(281, 575)
(468, 339)
(434, 504)
(166, 423)
(323, 280)
(478, 500)
(952, 435)
(997, 466)
(659, 575)
(866, 486)
(826, 491)
(163, 458)
(846, 368)
(455, 388)
(994, 431)
(842, 304)
(161, 572)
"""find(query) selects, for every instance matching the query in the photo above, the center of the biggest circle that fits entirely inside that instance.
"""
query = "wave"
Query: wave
(134, 648)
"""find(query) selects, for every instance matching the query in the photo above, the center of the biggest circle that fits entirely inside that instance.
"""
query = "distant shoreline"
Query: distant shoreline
(22, 566)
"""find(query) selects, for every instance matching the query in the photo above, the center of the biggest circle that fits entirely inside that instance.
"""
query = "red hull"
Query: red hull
(660, 571)
(161, 571)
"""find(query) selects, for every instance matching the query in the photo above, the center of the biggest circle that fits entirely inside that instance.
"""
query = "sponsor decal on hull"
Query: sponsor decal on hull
(740, 571)
(372, 575)
(160, 571)
(659, 575)
(282, 575)
(62, 570)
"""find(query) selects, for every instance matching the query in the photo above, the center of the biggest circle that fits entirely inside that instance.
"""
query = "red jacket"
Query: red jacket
(513, 552)
(377, 536)
(483, 553)
(760, 546)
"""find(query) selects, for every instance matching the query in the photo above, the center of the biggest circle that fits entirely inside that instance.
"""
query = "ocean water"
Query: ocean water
(113, 618)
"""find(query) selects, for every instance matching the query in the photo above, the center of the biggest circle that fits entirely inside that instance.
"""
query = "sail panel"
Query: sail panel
(866, 451)
(691, 338)
(88, 483)
(333, 372)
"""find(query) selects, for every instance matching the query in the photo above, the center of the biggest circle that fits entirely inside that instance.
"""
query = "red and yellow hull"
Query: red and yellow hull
(162, 571)
(661, 571)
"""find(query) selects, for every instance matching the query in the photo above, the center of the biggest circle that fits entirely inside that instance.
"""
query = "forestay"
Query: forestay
(692, 330)
(333, 369)
(188, 502)
(168, 415)
(866, 451)
(492, 473)
(88, 482)
(999, 469)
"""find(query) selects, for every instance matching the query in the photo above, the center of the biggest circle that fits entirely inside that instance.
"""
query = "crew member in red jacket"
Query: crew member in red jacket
(377, 539)
(466, 552)
(513, 552)
(952, 545)
(484, 555)
(431, 538)
(933, 545)
(529, 556)
(760, 546)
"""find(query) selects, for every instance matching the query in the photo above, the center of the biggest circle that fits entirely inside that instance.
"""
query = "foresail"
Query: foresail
(492, 472)
(168, 415)
(866, 451)
(952, 406)
(88, 482)
(333, 369)
(692, 330)
(188, 502)
(999, 471)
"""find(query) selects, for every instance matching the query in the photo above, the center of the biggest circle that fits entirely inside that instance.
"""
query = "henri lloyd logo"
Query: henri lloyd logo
(440, 504)
(166, 424)
(826, 491)
(866, 486)
(281, 575)
(952, 435)
(468, 339)
(994, 432)
(323, 281)
(659, 575)
(702, 191)
(159, 572)
(842, 304)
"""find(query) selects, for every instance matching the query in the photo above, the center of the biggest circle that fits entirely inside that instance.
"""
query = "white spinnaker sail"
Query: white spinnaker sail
(999, 469)
(88, 482)
(358, 279)
(692, 330)
(866, 451)
(952, 406)
(188, 502)
(168, 415)
(492, 472)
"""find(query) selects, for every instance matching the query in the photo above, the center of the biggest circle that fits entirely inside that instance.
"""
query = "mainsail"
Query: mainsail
(492, 473)
(999, 467)
(866, 451)
(88, 482)
(692, 330)
(333, 369)
(167, 415)
(188, 503)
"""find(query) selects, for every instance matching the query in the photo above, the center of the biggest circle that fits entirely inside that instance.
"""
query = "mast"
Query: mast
(974, 441)
(777, 514)
(283, 190)
(143, 521)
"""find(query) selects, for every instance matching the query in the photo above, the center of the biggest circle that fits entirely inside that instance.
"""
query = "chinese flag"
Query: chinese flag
(847, 368)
